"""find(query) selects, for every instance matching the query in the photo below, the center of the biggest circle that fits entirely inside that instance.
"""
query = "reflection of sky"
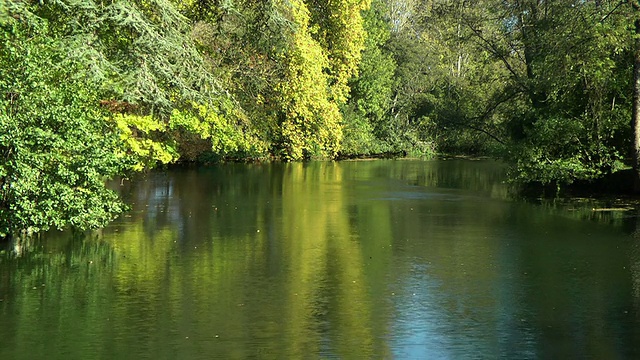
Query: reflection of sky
(417, 331)
(478, 320)
(514, 328)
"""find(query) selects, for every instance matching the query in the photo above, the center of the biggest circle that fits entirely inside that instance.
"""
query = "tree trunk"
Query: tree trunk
(635, 121)
(529, 25)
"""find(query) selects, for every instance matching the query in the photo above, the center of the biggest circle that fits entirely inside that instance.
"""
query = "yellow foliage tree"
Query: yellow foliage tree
(312, 121)
(227, 136)
(340, 30)
(140, 149)
(291, 76)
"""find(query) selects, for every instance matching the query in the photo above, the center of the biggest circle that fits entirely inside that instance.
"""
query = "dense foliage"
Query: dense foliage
(94, 89)
(546, 85)
(86, 90)
(56, 147)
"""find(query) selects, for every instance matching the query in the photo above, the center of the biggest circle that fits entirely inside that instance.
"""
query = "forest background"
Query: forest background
(93, 89)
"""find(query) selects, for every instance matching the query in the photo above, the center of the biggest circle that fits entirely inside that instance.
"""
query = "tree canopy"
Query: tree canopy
(94, 89)
(544, 85)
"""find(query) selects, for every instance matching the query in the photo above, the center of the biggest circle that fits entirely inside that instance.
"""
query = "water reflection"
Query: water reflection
(381, 259)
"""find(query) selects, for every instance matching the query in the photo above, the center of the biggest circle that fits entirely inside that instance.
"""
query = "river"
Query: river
(384, 259)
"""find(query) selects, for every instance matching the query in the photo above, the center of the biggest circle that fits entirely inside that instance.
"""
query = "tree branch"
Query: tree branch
(635, 5)
(491, 47)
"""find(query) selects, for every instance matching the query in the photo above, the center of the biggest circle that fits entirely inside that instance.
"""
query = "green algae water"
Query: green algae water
(385, 259)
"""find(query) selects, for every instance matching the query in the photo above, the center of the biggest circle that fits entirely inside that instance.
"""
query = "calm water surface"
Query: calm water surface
(354, 260)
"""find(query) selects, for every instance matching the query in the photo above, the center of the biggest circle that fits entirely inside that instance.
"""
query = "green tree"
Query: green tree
(88, 89)
(576, 82)
(57, 147)
(546, 81)
(463, 110)
(250, 72)
(367, 113)
(142, 56)
(635, 116)
(4, 15)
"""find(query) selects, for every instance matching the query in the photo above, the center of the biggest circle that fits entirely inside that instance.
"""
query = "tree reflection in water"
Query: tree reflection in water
(379, 259)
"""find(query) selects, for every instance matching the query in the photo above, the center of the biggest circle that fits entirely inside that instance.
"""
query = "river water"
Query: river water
(385, 259)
